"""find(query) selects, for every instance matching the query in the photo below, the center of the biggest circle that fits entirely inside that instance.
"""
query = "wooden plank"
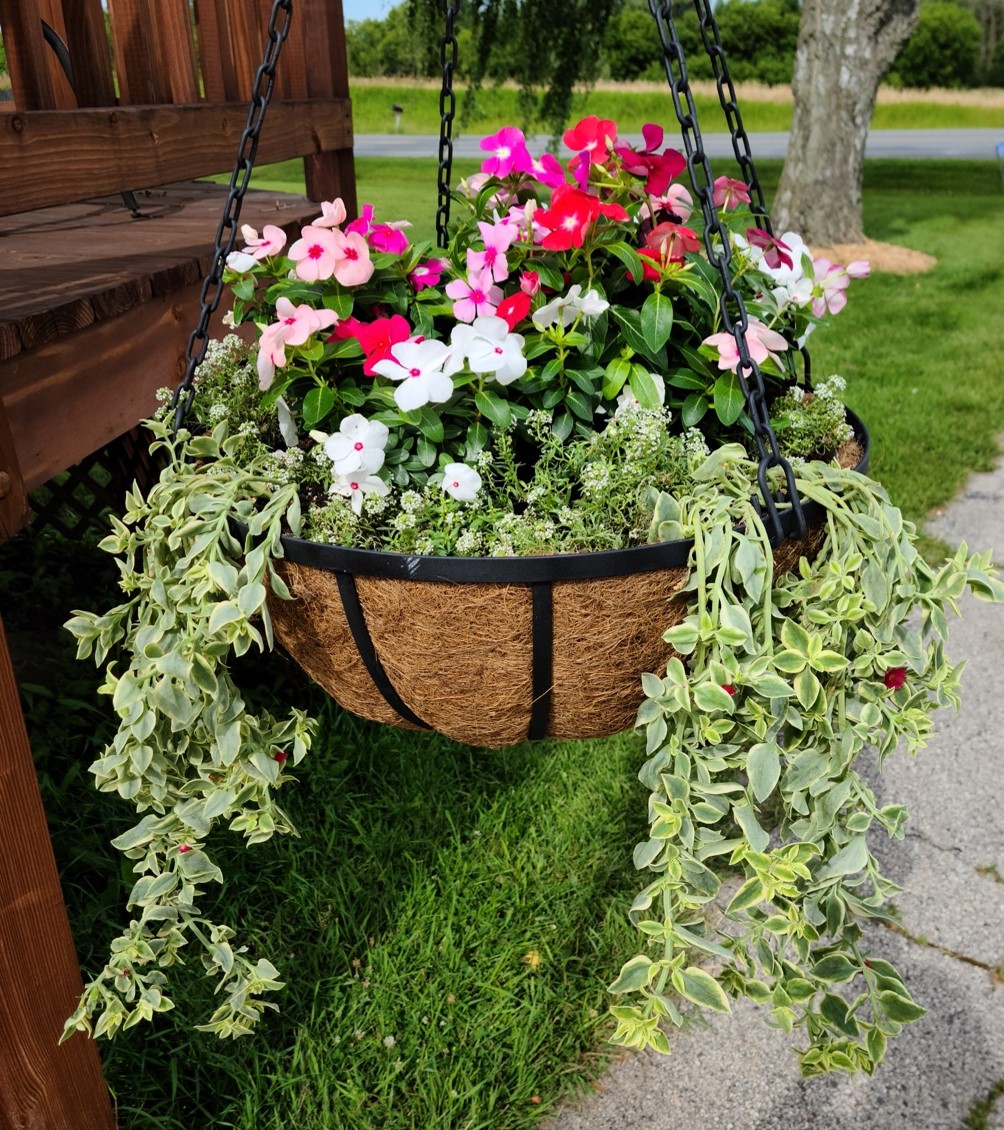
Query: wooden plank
(27, 55)
(78, 393)
(210, 50)
(42, 1084)
(52, 13)
(291, 74)
(51, 158)
(174, 39)
(241, 43)
(14, 513)
(92, 65)
(141, 74)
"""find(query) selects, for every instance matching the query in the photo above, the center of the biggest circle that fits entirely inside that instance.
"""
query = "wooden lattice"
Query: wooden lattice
(78, 498)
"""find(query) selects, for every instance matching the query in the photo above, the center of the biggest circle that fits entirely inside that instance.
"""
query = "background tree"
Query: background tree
(844, 49)
(943, 51)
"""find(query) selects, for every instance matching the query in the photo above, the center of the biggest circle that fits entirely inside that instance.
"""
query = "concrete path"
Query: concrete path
(734, 1073)
(914, 143)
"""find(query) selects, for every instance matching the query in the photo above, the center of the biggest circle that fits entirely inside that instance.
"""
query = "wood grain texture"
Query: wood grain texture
(51, 158)
(14, 511)
(177, 50)
(92, 66)
(207, 23)
(27, 55)
(142, 77)
(63, 268)
(42, 1085)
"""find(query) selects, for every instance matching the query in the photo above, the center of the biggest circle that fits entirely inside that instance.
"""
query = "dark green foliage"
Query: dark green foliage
(943, 51)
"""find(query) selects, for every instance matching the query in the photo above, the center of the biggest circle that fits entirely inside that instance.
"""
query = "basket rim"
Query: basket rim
(529, 569)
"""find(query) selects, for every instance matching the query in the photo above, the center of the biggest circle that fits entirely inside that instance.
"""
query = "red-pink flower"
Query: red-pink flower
(376, 337)
(571, 213)
(514, 309)
(280, 756)
(657, 168)
(672, 241)
(730, 193)
(184, 848)
(593, 136)
(775, 252)
(529, 282)
(894, 678)
(729, 689)
(508, 152)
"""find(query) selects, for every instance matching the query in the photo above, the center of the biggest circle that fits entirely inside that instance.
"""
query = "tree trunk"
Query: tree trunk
(844, 49)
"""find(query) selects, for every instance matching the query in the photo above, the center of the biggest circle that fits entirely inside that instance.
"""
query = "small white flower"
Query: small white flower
(488, 347)
(461, 482)
(419, 366)
(565, 310)
(356, 486)
(241, 262)
(358, 445)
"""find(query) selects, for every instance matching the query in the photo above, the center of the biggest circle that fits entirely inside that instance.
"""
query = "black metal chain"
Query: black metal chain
(447, 112)
(226, 232)
(716, 242)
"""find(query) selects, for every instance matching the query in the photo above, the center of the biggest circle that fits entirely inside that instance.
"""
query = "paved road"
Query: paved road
(915, 143)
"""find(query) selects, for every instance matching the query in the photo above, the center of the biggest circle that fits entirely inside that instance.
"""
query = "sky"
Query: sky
(367, 9)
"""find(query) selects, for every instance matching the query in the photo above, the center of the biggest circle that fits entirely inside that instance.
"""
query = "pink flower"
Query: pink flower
(859, 269)
(729, 193)
(332, 214)
(388, 238)
(271, 241)
(295, 325)
(428, 273)
(830, 283)
(497, 238)
(184, 848)
(672, 242)
(474, 296)
(761, 343)
(315, 254)
(775, 252)
(508, 152)
(529, 282)
(546, 169)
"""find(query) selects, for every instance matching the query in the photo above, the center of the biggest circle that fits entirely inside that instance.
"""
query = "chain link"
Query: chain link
(447, 112)
(226, 232)
(716, 242)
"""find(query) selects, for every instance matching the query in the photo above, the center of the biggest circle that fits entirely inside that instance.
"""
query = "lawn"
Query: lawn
(448, 917)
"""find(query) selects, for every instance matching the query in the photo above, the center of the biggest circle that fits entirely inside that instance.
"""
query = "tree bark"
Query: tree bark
(844, 49)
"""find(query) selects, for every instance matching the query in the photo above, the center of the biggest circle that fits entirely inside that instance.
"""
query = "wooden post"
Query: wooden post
(42, 1086)
(14, 511)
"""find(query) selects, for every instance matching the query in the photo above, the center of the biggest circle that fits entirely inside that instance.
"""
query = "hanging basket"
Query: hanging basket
(493, 651)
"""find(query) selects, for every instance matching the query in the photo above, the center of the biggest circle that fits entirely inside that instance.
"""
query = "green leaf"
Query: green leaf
(729, 399)
(617, 373)
(749, 894)
(693, 409)
(899, 1008)
(834, 967)
(656, 320)
(807, 688)
(430, 424)
(635, 974)
(580, 404)
(848, 861)
(629, 257)
(701, 988)
(224, 613)
(563, 424)
(710, 697)
(835, 1010)
(643, 387)
(746, 819)
(763, 767)
(316, 405)
(493, 408)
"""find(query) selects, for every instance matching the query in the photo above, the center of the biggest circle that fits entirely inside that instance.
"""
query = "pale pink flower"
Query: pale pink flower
(761, 343)
(353, 265)
(315, 253)
(271, 241)
(676, 199)
(332, 214)
(497, 239)
(859, 269)
(730, 193)
(830, 283)
(461, 482)
(475, 295)
(295, 325)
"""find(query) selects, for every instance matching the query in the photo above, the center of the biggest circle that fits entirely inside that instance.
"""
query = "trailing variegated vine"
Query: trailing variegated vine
(759, 817)
(188, 752)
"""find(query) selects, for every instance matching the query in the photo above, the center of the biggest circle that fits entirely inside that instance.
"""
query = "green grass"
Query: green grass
(492, 107)
(470, 904)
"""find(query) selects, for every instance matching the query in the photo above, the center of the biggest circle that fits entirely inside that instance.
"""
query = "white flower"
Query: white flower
(358, 445)
(355, 486)
(567, 309)
(419, 365)
(488, 347)
(461, 482)
(287, 427)
(241, 262)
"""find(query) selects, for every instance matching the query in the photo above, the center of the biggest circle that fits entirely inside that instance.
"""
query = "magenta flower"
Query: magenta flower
(428, 273)
(894, 678)
(315, 253)
(761, 343)
(729, 193)
(497, 239)
(508, 152)
(546, 169)
(775, 252)
(474, 296)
